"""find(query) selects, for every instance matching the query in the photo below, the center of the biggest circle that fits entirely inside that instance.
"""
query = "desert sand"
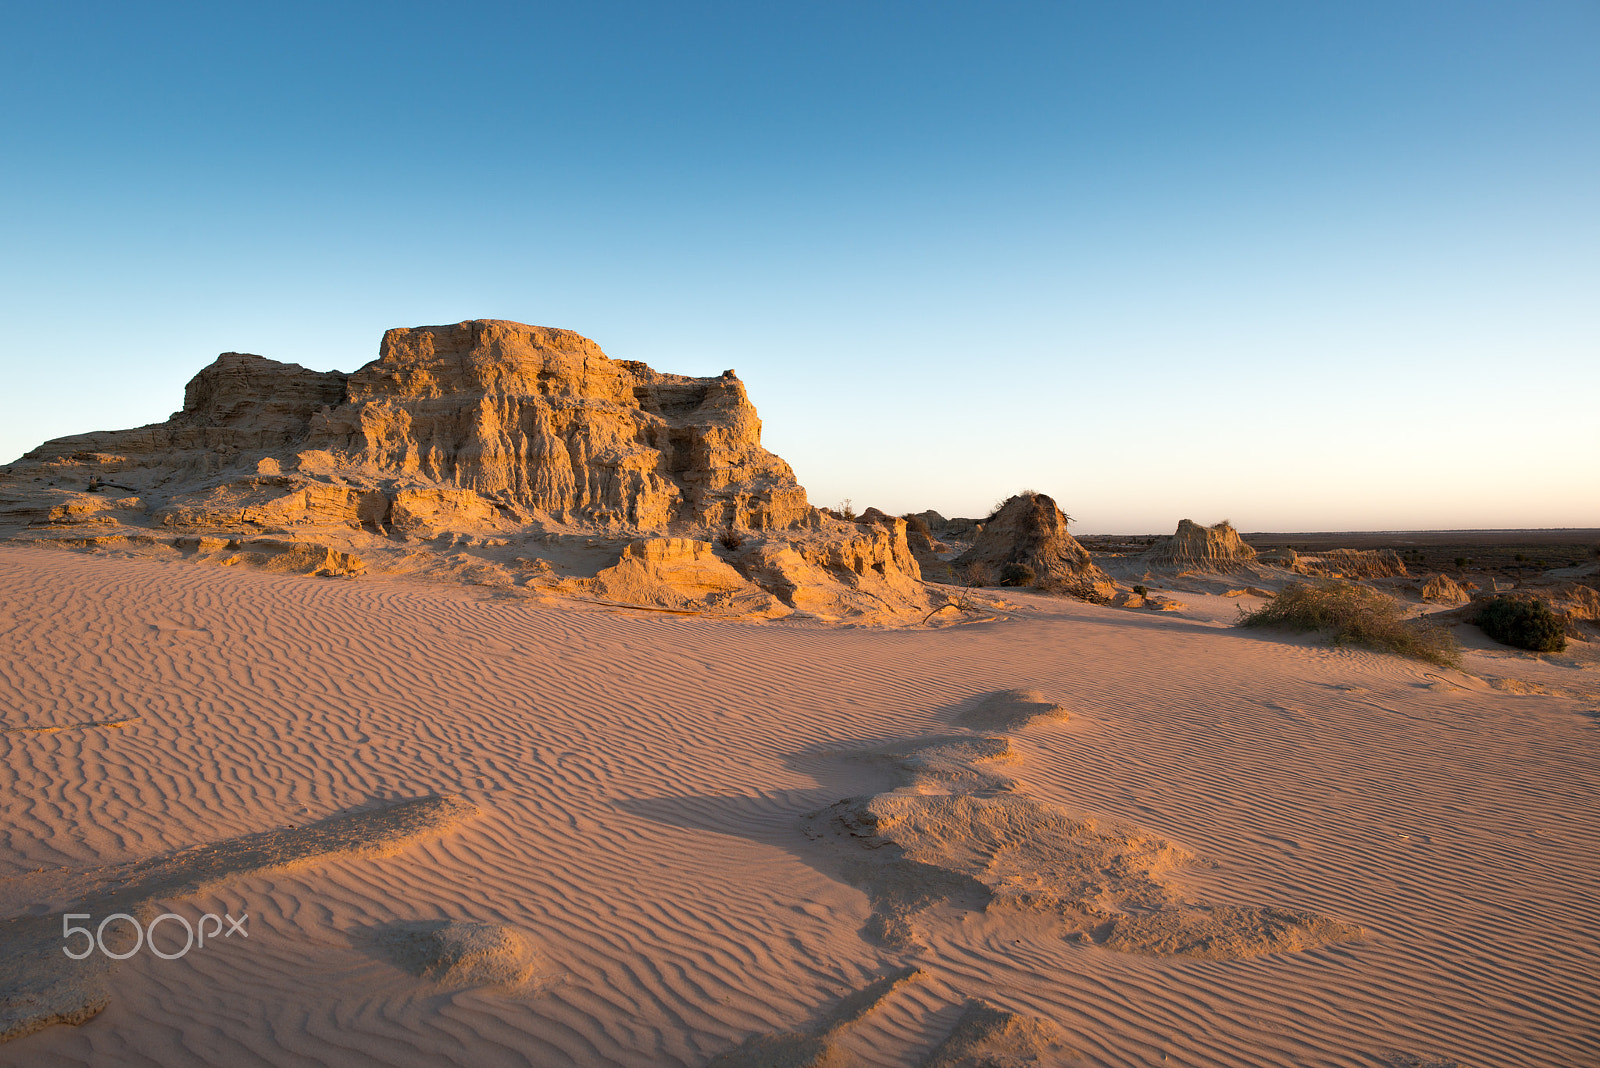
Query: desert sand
(474, 826)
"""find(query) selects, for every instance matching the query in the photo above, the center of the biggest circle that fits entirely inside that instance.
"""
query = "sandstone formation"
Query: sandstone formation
(1193, 547)
(1442, 589)
(1353, 563)
(919, 536)
(462, 449)
(1029, 530)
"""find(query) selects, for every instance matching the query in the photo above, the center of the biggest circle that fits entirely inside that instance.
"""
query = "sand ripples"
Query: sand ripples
(641, 778)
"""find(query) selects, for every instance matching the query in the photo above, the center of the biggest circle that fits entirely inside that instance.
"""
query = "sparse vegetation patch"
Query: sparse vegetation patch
(1524, 624)
(1355, 615)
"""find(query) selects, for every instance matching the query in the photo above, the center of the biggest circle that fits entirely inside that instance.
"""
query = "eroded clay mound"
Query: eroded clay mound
(1031, 532)
(1442, 589)
(1352, 563)
(1193, 547)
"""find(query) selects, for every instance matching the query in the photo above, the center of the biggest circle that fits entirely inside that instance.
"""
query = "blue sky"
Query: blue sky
(1307, 266)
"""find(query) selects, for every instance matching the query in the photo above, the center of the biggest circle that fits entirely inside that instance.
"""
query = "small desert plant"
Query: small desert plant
(1016, 574)
(845, 509)
(915, 524)
(1142, 591)
(1355, 615)
(730, 539)
(1463, 561)
(1524, 624)
(977, 573)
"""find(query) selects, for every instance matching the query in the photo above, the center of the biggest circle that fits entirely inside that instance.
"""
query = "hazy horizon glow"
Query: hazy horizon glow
(1306, 268)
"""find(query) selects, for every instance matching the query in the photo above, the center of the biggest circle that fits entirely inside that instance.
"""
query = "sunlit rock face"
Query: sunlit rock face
(488, 452)
(543, 418)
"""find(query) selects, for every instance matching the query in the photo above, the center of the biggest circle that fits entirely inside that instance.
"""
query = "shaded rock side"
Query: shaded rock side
(1030, 530)
(1193, 547)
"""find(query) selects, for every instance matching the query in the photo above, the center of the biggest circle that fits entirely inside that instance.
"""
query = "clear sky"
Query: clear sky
(1307, 266)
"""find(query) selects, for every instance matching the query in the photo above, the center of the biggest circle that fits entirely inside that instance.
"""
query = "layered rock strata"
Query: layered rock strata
(471, 442)
(1030, 531)
(1193, 547)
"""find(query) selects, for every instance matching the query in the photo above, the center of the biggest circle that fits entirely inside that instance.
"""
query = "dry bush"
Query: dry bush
(1016, 574)
(730, 539)
(1355, 615)
(1524, 624)
(977, 573)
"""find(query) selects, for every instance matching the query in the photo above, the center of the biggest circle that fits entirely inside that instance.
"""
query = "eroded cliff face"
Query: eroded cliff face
(485, 437)
(544, 420)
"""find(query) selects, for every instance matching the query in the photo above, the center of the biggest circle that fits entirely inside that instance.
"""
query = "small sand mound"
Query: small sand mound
(945, 764)
(457, 954)
(956, 834)
(40, 986)
(816, 1047)
(1224, 932)
(1010, 710)
(988, 1036)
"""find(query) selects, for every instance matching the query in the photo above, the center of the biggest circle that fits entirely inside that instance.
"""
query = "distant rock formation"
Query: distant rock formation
(485, 435)
(1352, 563)
(1029, 530)
(1193, 547)
(924, 547)
(1442, 589)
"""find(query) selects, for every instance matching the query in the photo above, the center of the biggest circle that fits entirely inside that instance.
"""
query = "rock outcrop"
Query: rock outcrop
(1442, 589)
(1193, 547)
(1353, 563)
(1030, 531)
(482, 438)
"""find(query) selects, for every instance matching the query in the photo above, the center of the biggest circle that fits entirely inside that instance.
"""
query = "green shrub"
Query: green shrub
(1016, 574)
(1462, 561)
(1141, 590)
(1355, 615)
(1524, 624)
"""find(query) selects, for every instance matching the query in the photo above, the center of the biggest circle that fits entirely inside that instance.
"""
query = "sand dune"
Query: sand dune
(640, 781)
